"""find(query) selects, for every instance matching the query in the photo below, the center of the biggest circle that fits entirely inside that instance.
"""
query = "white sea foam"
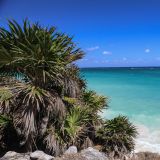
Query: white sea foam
(147, 140)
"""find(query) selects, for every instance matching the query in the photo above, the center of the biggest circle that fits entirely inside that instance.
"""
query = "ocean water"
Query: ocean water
(134, 92)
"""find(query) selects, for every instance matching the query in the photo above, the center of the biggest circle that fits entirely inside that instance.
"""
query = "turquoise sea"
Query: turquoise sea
(134, 92)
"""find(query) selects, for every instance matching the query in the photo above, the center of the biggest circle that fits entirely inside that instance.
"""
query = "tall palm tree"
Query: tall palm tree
(42, 57)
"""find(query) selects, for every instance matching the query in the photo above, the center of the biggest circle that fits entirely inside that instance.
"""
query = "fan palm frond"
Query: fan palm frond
(95, 102)
(36, 106)
(40, 53)
(75, 123)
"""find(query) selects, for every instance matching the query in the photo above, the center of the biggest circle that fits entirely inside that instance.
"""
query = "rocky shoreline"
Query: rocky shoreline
(72, 154)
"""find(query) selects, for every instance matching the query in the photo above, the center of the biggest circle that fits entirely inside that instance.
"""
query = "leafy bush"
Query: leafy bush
(45, 96)
(117, 136)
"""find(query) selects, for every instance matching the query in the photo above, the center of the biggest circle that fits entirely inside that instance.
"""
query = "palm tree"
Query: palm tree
(43, 57)
(44, 103)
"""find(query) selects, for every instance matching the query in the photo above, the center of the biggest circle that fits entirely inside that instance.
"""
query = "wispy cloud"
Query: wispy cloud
(92, 48)
(147, 50)
(124, 59)
(107, 52)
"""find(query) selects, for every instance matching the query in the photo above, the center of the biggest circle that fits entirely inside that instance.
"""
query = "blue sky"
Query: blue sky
(111, 32)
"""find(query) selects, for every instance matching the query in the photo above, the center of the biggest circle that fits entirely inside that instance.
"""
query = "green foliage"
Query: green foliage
(75, 123)
(44, 57)
(4, 120)
(39, 53)
(32, 100)
(46, 97)
(95, 102)
(5, 94)
(34, 95)
(70, 100)
(117, 136)
(5, 99)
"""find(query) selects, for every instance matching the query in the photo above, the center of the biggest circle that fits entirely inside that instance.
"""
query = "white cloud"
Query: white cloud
(92, 48)
(124, 59)
(107, 52)
(147, 50)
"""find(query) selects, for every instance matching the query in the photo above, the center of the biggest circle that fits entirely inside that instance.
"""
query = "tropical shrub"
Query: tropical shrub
(41, 59)
(117, 136)
(42, 92)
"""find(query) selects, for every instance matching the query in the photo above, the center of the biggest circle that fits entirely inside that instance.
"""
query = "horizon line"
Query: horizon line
(122, 67)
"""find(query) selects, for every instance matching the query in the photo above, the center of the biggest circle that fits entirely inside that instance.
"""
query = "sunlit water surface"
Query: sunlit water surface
(134, 92)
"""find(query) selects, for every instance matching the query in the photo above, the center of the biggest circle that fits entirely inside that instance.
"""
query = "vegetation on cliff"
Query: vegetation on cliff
(44, 103)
